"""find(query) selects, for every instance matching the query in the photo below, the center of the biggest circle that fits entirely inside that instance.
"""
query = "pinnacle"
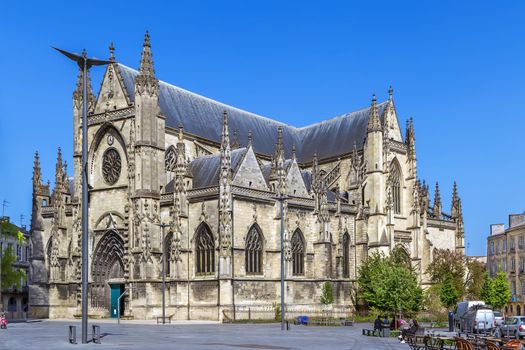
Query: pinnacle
(146, 62)
(374, 124)
(390, 92)
(111, 52)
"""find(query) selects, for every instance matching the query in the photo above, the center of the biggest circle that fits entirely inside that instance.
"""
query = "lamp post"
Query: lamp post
(281, 199)
(84, 63)
(162, 226)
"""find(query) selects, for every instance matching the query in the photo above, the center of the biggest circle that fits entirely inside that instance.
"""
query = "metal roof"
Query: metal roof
(202, 116)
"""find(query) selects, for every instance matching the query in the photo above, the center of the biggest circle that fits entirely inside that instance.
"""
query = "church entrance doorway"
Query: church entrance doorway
(116, 292)
(108, 273)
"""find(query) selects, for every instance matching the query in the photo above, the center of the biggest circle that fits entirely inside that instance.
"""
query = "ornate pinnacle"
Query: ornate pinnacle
(437, 202)
(293, 152)
(225, 135)
(146, 62)
(390, 93)
(374, 124)
(37, 172)
(235, 142)
(181, 133)
(111, 52)
(77, 94)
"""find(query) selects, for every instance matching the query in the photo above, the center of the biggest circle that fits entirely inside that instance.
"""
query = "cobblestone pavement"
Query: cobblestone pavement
(54, 335)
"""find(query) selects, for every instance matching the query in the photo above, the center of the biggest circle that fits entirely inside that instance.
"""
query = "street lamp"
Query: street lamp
(84, 63)
(281, 198)
(162, 226)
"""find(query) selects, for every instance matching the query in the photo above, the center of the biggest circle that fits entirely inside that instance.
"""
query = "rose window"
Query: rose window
(111, 166)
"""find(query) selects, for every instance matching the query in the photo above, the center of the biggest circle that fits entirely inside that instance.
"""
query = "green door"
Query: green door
(115, 293)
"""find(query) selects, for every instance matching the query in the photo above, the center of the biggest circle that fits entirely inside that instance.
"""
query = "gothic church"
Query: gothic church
(216, 174)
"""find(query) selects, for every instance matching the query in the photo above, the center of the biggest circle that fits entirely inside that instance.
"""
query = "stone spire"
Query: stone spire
(374, 123)
(279, 147)
(37, 173)
(410, 142)
(437, 202)
(455, 199)
(145, 80)
(146, 60)
(294, 156)
(390, 93)
(235, 143)
(225, 195)
(59, 170)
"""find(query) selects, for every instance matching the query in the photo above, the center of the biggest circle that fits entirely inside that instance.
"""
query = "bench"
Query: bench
(159, 318)
(416, 342)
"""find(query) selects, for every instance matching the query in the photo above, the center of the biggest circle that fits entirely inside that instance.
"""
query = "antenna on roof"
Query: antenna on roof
(4, 205)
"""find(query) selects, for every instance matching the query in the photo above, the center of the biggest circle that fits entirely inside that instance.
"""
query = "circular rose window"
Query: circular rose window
(111, 166)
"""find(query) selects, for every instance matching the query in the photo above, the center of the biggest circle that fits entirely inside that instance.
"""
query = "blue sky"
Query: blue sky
(457, 68)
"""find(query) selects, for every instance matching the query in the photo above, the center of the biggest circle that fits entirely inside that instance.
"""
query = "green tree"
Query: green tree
(448, 263)
(487, 290)
(448, 295)
(389, 287)
(327, 296)
(501, 291)
(475, 279)
(10, 275)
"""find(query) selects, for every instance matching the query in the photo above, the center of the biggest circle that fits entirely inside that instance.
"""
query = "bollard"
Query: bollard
(72, 334)
(96, 334)
(287, 325)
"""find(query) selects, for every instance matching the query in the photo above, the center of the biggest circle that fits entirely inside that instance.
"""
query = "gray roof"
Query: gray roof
(202, 116)
(206, 170)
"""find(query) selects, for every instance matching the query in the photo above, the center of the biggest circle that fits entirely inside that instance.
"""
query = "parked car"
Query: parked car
(514, 326)
(498, 318)
(478, 319)
(462, 307)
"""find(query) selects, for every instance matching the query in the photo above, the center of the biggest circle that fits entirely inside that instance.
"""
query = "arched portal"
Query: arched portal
(108, 266)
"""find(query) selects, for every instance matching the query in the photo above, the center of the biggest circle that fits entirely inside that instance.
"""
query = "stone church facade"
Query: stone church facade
(214, 174)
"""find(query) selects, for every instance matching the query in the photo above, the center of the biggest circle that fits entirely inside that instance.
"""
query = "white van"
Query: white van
(462, 307)
(478, 319)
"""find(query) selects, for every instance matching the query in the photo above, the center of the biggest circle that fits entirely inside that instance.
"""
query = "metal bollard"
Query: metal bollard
(72, 334)
(96, 334)
(287, 325)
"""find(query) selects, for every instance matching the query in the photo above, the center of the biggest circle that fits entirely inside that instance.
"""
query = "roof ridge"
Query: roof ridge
(296, 128)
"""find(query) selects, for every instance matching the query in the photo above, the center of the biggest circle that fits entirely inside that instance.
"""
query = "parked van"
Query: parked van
(478, 319)
(462, 307)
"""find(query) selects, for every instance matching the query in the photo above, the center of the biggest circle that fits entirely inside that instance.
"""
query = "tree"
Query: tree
(487, 291)
(10, 276)
(501, 291)
(448, 263)
(475, 279)
(389, 287)
(448, 295)
(327, 296)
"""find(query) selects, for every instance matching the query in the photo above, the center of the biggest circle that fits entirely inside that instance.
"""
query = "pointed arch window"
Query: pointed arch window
(205, 251)
(170, 159)
(346, 255)
(254, 248)
(297, 245)
(395, 183)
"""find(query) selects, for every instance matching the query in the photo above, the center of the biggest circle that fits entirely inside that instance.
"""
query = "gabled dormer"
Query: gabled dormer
(391, 126)
(248, 173)
(112, 94)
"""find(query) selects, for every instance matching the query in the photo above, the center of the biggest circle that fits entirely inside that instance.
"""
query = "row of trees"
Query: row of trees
(389, 284)
(9, 275)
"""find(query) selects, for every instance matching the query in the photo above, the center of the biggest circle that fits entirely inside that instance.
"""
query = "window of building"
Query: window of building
(346, 255)
(205, 251)
(18, 252)
(170, 159)
(27, 254)
(522, 287)
(492, 247)
(504, 246)
(522, 242)
(504, 262)
(513, 264)
(297, 244)
(497, 247)
(254, 248)
(395, 182)
(512, 244)
(513, 287)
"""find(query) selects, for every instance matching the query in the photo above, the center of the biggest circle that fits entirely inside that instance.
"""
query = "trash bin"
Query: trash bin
(386, 332)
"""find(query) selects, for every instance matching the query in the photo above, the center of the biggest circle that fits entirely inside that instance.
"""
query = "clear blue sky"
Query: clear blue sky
(457, 68)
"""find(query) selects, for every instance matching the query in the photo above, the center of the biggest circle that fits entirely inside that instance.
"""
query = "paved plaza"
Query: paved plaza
(132, 335)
